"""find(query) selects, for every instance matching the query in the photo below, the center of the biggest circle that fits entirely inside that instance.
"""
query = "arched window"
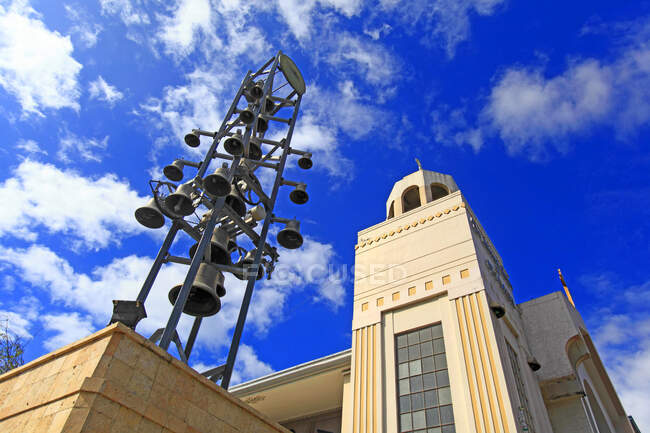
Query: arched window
(438, 191)
(411, 199)
(391, 210)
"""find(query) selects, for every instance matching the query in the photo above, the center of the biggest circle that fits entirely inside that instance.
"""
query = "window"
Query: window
(423, 392)
(411, 199)
(524, 411)
(438, 191)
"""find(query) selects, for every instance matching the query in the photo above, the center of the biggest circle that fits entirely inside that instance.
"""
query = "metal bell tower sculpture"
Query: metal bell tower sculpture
(232, 201)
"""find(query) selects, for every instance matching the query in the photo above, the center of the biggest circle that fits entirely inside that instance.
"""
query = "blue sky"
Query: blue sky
(539, 110)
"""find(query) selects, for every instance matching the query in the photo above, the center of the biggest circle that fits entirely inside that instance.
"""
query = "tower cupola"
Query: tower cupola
(417, 189)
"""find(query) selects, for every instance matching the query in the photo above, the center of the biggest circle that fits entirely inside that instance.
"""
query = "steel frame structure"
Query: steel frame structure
(240, 167)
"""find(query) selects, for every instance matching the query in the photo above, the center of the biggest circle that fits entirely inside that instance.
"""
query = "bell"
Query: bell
(180, 202)
(258, 212)
(203, 299)
(219, 252)
(290, 237)
(299, 194)
(150, 215)
(247, 116)
(254, 149)
(269, 106)
(305, 162)
(174, 171)
(234, 144)
(262, 124)
(192, 139)
(234, 200)
(245, 264)
(257, 90)
(498, 310)
(217, 183)
(533, 363)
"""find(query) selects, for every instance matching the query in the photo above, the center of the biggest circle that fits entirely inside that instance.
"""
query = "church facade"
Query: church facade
(438, 343)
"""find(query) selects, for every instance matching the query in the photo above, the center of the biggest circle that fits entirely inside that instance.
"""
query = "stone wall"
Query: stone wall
(117, 381)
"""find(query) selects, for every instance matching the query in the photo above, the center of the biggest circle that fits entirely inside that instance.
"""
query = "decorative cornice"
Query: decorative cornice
(405, 227)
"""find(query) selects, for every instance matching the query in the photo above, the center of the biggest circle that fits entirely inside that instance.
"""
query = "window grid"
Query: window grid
(521, 390)
(423, 392)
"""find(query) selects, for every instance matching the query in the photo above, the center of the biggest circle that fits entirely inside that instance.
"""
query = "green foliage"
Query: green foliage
(11, 349)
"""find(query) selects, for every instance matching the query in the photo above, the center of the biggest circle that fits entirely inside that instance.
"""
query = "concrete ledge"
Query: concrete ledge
(117, 381)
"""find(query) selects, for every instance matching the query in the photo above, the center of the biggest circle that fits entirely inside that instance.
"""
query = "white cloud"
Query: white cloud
(622, 336)
(38, 70)
(88, 149)
(191, 21)
(371, 59)
(68, 327)
(248, 366)
(299, 14)
(537, 115)
(446, 22)
(100, 89)
(129, 13)
(93, 212)
(86, 31)
(30, 147)
(17, 324)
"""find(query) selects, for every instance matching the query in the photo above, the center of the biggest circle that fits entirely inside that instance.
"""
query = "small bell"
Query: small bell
(180, 202)
(533, 363)
(174, 171)
(234, 200)
(299, 194)
(217, 183)
(203, 299)
(257, 90)
(262, 124)
(192, 139)
(290, 237)
(234, 144)
(269, 106)
(258, 212)
(305, 162)
(150, 215)
(246, 264)
(247, 115)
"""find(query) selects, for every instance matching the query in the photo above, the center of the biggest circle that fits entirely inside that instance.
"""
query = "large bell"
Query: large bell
(219, 247)
(305, 162)
(203, 299)
(254, 149)
(174, 171)
(217, 183)
(247, 116)
(234, 200)
(290, 237)
(299, 194)
(192, 139)
(150, 215)
(258, 212)
(246, 264)
(234, 144)
(180, 202)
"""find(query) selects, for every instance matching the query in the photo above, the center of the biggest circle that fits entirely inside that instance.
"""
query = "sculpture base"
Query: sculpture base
(117, 381)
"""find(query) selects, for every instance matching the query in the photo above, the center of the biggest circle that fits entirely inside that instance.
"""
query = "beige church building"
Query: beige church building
(439, 344)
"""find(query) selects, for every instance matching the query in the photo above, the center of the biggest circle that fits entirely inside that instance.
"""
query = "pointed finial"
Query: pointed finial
(566, 289)
(419, 165)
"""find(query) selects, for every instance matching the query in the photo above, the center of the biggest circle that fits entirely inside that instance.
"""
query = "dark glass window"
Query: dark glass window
(423, 382)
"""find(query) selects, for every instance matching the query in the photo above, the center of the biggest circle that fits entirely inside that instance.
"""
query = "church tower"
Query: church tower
(438, 345)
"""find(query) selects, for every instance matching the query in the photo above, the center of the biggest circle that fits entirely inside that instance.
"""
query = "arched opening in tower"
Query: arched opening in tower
(411, 199)
(438, 191)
